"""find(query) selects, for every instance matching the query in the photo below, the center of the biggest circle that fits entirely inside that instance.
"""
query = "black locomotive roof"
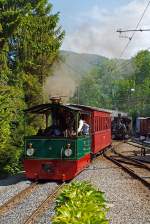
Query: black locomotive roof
(44, 108)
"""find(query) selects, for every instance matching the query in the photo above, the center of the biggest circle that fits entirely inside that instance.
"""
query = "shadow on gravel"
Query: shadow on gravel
(51, 181)
(10, 180)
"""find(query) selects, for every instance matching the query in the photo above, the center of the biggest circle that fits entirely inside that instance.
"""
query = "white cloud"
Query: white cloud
(96, 30)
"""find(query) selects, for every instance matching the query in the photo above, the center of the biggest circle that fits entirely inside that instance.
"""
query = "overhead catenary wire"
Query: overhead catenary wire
(132, 30)
(130, 39)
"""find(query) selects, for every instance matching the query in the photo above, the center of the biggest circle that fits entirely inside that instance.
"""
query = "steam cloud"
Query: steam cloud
(61, 83)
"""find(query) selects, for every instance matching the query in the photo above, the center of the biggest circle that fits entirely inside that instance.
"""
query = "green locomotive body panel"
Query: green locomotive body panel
(54, 148)
(83, 146)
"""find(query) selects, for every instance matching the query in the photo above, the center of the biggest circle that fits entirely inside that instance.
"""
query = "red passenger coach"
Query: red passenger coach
(101, 131)
(100, 124)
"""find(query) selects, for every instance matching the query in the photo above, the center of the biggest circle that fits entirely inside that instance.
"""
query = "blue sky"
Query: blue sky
(71, 9)
(91, 25)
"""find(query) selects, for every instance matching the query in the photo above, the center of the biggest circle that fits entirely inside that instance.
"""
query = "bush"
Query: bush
(80, 203)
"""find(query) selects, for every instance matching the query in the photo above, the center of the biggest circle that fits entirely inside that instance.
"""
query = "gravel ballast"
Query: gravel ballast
(128, 199)
(11, 186)
(20, 213)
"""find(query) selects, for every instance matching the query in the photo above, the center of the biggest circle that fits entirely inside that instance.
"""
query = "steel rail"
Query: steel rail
(17, 198)
(37, 212)
(138, 145)
(129, 171)
(136, 161)
(128, 162)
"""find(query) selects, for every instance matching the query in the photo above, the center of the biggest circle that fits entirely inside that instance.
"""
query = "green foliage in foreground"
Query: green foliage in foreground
(80, 203)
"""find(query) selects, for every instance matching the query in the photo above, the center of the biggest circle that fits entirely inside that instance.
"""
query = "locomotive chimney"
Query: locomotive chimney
(55, 99)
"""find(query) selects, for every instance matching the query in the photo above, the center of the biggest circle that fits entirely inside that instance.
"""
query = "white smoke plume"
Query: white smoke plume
(61, 83)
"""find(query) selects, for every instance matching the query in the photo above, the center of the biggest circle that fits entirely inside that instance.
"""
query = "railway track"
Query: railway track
(43, 206)
(132, 161)
(17, 198)
(144, 148)
(132, 166)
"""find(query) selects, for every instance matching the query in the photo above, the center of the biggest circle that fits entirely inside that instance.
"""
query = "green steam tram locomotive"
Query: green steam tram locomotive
(72, 134)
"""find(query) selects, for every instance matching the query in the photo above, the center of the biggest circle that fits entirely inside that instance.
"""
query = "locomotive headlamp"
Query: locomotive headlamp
(68, 152)
(30, 150)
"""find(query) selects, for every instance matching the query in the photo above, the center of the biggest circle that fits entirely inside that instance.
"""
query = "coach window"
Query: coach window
(97, 123)
(104, 123)
(100, 123)
(107, 123)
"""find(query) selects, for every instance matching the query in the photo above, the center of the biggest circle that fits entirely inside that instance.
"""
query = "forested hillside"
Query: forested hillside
(71, 67)
(79, 64)
(114, 85)
(30, 38)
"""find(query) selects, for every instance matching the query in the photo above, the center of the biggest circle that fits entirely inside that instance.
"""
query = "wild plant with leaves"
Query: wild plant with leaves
(79, 203)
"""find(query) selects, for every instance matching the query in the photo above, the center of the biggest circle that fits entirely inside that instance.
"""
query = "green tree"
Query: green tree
(97, 87)
(141, 64)
(36, 46)
(30, 39)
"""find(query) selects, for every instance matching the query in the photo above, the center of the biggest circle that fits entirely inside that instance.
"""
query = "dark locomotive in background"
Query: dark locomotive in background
(121, 126)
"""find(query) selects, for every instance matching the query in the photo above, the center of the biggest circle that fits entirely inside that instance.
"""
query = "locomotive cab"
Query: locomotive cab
(121, 127)
(57, 151)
